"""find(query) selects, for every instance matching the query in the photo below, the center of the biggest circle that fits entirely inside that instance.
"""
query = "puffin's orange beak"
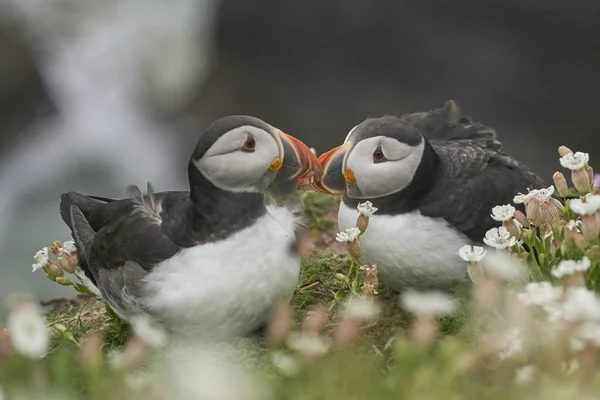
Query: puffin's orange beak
(333, 178)
(299, 158)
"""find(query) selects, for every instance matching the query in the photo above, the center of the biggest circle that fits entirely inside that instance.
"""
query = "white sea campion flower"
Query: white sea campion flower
(349, 235)
(499, 238)
(589, 331)
(503, 213)
(568, 267)
(512, 344)
(359, 307)
(285, 363)
(308, 345)
(148, 331)
(544, 194)
(27, 328)
(573, 224)
(472, 253)
(41, 259)
(574, 161)
(525, 374)
(540, 293)
(590, 206)
(581, 304)
(503, 266)
(68, 247)
(367, 209)
(428, 303)
(524, 198)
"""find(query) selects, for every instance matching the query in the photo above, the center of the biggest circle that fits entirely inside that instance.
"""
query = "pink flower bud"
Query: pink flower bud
(581, 180)
(590, 226)
(560, 183)
(512, 228)
(521, 218)
(564, 150)
(362, 222)
(354, 248)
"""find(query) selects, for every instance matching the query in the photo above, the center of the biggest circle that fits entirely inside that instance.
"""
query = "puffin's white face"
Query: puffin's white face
(246, 159)
(243, 159)
(379, 166)
(369, 166)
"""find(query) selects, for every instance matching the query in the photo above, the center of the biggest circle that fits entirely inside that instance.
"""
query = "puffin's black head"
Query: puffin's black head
(383, 156)
(243, 154)
(380, 156)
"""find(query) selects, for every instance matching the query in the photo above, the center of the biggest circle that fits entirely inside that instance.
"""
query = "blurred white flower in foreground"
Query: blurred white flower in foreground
(499, 238)
(310, 345)
(367, 208)
(590, 206)
(574, 161)
(525, 374)
(41, 259)
(503, 266)
(360, 307)
(285, 363)
(149, 331)
(472, 253)
(581, 304)
(512, 344)
(503, 213)
(349, 235)
(568, 267)
(27, 327)
(540, 293)
(428, 303)
(192, 370)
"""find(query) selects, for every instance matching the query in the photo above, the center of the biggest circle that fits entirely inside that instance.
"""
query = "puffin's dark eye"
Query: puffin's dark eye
(378, 155)
(249, 145)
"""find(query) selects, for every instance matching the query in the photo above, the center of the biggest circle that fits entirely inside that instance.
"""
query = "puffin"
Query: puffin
(208, 263)
(434, 177)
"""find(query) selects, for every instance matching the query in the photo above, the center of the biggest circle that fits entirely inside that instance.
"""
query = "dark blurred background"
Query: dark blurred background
(96, 96)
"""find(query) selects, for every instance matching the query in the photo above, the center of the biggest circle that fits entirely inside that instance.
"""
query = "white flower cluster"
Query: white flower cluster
(428, 303)
(472, 253)
(499, 238)
(558, 305)
(41, 259)
(503, 213)
(568, 267)
(542, 195)
(349, 235)
(587, 206)
(574, 161)
(367, 209)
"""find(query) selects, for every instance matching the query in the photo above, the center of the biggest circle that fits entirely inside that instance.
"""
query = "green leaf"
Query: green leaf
(340, 294)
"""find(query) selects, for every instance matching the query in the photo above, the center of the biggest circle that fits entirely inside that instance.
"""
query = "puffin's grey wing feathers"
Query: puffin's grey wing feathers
(122, 288)
(83, 234)
(475, 180)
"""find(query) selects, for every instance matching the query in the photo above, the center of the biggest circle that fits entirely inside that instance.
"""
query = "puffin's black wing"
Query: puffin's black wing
(473, 180)
(447, 124)
(125, 232)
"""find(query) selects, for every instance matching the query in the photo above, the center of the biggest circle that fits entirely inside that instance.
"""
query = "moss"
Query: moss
(319, 208)
(83, 317)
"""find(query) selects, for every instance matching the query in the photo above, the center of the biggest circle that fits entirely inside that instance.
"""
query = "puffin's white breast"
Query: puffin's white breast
(411, 250)
(226, 289)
